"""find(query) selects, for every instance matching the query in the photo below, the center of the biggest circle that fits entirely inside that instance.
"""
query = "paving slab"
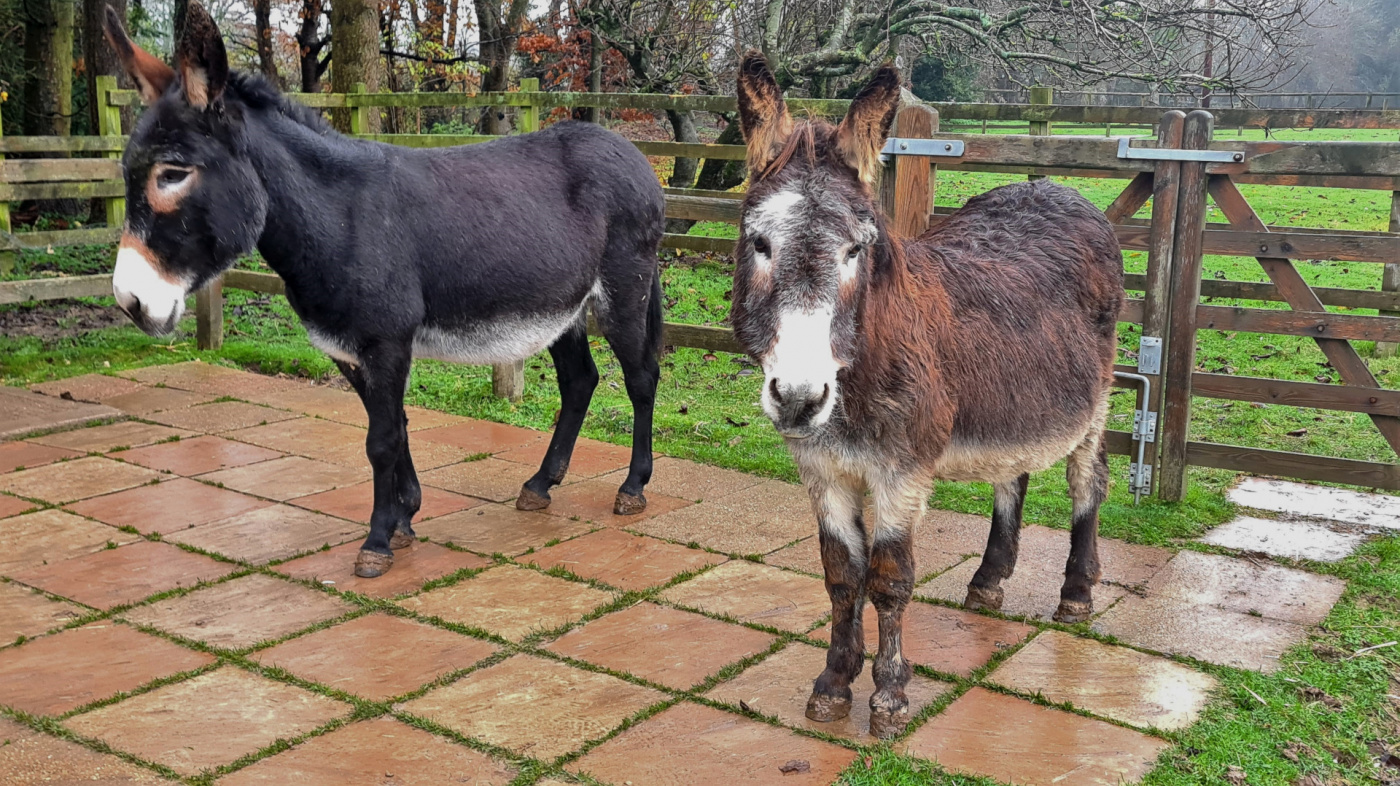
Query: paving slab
(1002, 737)
(690, 480)
(533, 706)
(484, 436)
(221, 416)
(24, 612)
(115, 577)
(21, 455)
(146, 402)
(1114, 682)
(271, 533)
(60, 673)
(167, 507)
(488, 478)
(356, 502)
(781, 684)
(413, 567)
(690, 744)
(592, 500)
(510, 602)
(103, 439)
(35, 758)
(286, 478)
(377, 656)
(92, 388)
(340, 406)
(25, 412)
(590, 458)
(222, 716)
(323, 440)
(1176, 627)
(373, 753)
(756, 520)
(1319, 502)
(213, 380)
(47, 537)
(198, 456)
(758, 594)
(806, 556)
(240, 613)
(70, 481)
(667, 646)
(951, 641)
(1286, 538)
(500, 529)
(1254, 588)
(13, 506)
(623, 560)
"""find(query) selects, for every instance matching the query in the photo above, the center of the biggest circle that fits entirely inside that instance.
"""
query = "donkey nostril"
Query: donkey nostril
(773, 391)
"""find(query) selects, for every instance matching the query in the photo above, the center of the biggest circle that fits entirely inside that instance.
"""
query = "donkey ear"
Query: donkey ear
(862, 134)
(150, 75)
(763, 114)
(202, 59)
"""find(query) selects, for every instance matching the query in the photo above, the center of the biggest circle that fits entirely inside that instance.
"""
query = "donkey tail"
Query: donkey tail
(655, 319)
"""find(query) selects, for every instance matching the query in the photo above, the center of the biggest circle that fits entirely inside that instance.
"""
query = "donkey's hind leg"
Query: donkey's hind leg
(578, 376)
(634, 333)
(1003, 542)
(1087, 472)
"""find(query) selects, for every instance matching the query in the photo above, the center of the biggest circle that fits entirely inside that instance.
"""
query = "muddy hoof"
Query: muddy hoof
(529, 500)
(825, 709)
(885, 724)
(982, 598)
(372, 564)
(629, 505)
(1072, 611)
(401, 540)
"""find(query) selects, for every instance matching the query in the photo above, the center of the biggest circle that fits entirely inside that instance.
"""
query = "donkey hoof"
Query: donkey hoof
(983, 598)
(372, 564)
(825, 709)
(529, 500)
(1072, 611)
(885, 724)
(401, 540)
(628, 504)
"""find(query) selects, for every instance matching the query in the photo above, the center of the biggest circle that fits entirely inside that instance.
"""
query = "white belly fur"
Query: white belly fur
(997, 463)
(498, 341)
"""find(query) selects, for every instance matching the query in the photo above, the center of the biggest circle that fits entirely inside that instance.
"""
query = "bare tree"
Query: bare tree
(310, 44)
(499, 23)
(355, 53)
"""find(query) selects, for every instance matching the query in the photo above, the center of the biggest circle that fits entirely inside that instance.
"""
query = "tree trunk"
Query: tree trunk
(181, 8)
(595, 73)
(99, 57)
(48, 59)
(498, 28)
(262, 28)
(718, 174)
(309, 45)
(683, 174)
(354, 54)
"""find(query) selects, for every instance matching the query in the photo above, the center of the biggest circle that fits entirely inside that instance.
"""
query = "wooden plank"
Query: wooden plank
(1260, 461)
(1131, 199)
(1316, 395)
(1300, 297)
(1326, 158)
(265, 283)
(714, 245)
(705, 192)
(1250, 290)
(1390, 275)
(40, 170)
(36, 289)
(1180, 344)
(19, 192)
(1292, 245)
(64, 237)
(63, 144)
(702, 208)
(428, 140)
(1314, 324)
(693, 150)
(1132, 311)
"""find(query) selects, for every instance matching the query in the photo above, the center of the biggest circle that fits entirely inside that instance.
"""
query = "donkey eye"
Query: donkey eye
(854, 252)
(171, 177)
(760, 246)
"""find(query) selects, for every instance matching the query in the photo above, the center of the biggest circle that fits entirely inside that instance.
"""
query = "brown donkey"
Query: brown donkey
(981, 350)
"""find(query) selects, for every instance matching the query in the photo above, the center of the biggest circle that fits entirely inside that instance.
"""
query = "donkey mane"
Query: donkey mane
(255, 91)
(814, 139)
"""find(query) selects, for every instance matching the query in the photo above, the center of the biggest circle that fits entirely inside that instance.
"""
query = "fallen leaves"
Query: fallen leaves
(1235, 776)
(795, 766)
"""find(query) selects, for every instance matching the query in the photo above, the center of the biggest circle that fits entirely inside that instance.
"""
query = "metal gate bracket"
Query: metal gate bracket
(1144, 431)
(899, 146)
(1150, 355)
(1125, 150)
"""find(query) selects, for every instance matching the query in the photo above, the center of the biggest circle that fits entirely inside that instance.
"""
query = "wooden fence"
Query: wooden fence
(1175, 239)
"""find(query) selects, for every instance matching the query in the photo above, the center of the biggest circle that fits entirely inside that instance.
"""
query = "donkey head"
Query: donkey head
(193, 200)
(807, 232)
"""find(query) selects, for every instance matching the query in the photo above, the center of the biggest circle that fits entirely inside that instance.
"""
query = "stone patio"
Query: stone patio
(177, 587)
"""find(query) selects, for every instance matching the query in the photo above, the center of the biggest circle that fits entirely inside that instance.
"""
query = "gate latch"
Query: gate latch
(1126, 150)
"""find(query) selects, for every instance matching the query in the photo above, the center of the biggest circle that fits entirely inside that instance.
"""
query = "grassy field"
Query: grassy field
(706, 410)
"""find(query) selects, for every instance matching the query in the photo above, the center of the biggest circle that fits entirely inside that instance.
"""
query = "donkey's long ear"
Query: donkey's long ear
(862, 133)
(202, 59)
(150, 75)
(763, 114)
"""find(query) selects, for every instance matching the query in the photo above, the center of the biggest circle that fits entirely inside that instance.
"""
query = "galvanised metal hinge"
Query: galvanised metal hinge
(1126, 150)
(1144, 425)
(1139, 480)
(899, 146)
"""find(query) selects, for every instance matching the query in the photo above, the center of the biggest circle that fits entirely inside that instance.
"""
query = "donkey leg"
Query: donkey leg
(1003, 542)
(578, 376)
(385, 370)
(1087, 472)
(635, 338)
(843, 546)
(890, 583)
(409, 493)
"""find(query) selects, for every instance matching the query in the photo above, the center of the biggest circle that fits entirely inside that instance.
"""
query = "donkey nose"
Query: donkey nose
(796, 405)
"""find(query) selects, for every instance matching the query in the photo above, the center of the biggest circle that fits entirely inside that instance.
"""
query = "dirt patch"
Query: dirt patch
(58, 319)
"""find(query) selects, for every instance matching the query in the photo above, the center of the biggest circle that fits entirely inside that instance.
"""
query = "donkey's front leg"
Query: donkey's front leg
(837, 502)
(890, 583)
(380, 380)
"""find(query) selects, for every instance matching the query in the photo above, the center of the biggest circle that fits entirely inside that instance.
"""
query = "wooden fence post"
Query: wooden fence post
(8, 258)
(1390, 279)
(1185, 295)
(109, 123)
(359, 115)
(906, 186)
(1041, 96)
(508, 379)
(209, 315)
